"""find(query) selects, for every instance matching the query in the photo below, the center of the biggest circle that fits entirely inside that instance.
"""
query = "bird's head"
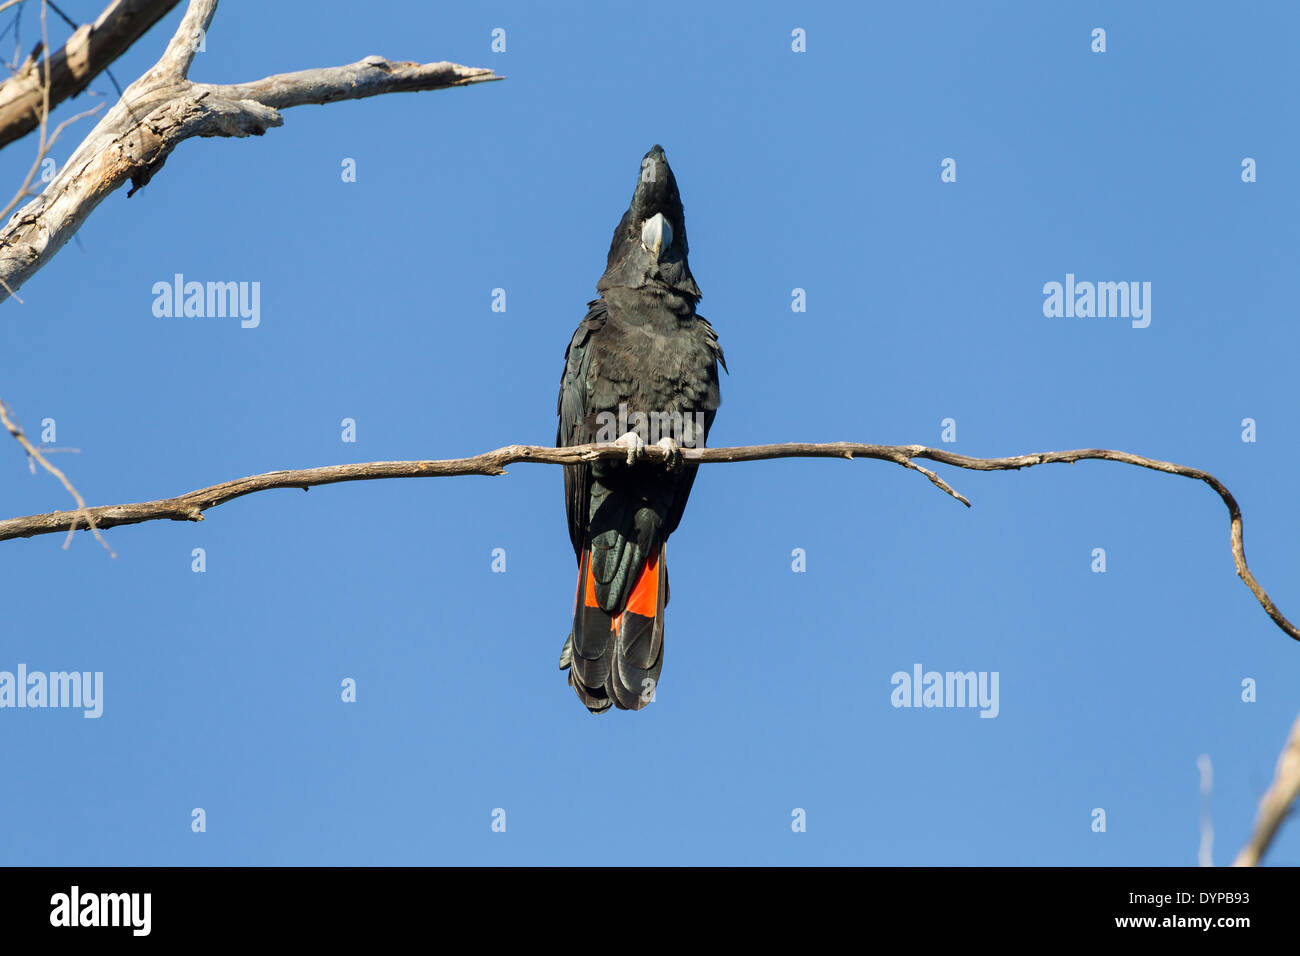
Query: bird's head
(649, 247)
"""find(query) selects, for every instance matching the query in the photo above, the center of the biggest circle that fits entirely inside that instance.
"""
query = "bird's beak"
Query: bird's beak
(656, 235)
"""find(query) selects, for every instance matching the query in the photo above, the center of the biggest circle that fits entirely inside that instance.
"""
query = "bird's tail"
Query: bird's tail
(615, 659)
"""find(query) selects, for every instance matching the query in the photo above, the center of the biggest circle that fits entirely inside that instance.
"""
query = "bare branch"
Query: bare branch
(162, 109)
(43, 150)
(89, 51)
(190, 507)
(185, 42)
(82, 514)
(1205, 851)
(369, 77)
(1277, 802)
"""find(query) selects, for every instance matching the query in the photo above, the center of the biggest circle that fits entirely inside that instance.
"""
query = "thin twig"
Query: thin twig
(69, 70)
(45, 144)
(82, 513)
(1205, 852)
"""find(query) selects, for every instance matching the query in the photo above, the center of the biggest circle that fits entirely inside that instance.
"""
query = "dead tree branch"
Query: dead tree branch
(190, 507)
(46, 140)
(34, 454)
(88, 52)
(163, 108)
(1277, 802)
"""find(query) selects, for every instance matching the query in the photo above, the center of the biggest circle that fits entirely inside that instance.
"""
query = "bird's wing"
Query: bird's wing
(709, 400)
(577, 426)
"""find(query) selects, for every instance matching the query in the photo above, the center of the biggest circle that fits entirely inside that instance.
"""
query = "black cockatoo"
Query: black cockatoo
(641, 369)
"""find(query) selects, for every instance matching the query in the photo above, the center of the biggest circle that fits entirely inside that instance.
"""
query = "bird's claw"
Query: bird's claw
(635, 446)
(672, 453)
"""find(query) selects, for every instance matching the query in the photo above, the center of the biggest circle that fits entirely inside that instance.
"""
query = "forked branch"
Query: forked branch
(164, 108)
(88, 52)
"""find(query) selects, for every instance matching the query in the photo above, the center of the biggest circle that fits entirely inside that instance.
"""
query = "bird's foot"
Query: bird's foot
(672, 452)
(635, 446)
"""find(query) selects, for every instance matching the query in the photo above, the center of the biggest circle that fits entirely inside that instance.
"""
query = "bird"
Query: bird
(642, 368)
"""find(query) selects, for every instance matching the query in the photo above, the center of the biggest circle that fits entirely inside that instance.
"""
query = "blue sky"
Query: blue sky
(817, 170)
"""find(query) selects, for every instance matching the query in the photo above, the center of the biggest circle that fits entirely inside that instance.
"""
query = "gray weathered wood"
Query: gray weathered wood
(90, 49)
(163, 108)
